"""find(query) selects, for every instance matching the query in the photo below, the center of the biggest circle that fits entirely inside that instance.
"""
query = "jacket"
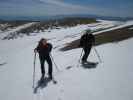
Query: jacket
(87, 40)
(44, 50)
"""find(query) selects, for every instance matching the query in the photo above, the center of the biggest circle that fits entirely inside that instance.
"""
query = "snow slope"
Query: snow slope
(6, 33)
(120, 25)
(110, 80)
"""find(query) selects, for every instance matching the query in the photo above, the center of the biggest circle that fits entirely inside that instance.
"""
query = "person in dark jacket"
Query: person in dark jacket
(86, 42)
(44, 50)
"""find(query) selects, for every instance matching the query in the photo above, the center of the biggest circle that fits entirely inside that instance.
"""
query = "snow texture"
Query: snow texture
(110, 80)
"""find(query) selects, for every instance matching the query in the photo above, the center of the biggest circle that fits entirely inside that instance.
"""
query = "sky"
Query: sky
(113, 8)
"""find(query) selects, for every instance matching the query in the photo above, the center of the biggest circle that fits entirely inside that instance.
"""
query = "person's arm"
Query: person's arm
(81, 41)
(50, 47)
(36, 49)
(93, 39)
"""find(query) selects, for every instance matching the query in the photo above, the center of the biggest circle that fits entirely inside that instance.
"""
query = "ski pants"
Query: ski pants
(86, 53)
(42, 62)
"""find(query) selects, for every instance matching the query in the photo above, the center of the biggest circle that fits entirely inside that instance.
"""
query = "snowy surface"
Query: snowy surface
(110, 80)
(120, 25)
(8, 32)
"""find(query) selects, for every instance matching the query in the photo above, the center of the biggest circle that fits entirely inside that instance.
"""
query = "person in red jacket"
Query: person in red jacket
(44, 49)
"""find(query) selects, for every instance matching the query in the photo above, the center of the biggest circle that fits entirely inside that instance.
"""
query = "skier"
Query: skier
(86, 42)
(44, 48)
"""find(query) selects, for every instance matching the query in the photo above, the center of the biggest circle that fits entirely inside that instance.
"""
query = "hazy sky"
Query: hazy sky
(119, 8)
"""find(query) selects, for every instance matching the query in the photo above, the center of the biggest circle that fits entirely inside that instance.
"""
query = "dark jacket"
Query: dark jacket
(87, 40)
(44, 50)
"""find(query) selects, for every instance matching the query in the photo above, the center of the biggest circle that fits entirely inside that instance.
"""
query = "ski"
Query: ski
(89, 64)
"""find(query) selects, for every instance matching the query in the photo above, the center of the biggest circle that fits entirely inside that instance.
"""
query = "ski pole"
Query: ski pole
(81, 55)
(54, 62)
(97, 54)
(34, 70)
(80, 58)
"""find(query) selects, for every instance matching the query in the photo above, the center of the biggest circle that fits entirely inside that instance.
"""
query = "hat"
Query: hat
(88, 31)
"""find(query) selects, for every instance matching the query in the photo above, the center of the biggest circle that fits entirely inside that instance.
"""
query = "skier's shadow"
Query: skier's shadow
(1, 64)
(89, 65)
(42, 83)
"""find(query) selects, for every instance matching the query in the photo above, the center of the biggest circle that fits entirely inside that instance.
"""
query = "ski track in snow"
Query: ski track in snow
(110, 80)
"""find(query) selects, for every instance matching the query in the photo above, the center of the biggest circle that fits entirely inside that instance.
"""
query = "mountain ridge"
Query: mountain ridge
(43, 18)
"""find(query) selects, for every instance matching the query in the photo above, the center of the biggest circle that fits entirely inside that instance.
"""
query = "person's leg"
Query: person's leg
(50, 69)
(42, 60)
(86, 54)
(83, 58)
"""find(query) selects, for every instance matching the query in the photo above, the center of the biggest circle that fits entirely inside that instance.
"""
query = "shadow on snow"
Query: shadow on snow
(42, 83)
